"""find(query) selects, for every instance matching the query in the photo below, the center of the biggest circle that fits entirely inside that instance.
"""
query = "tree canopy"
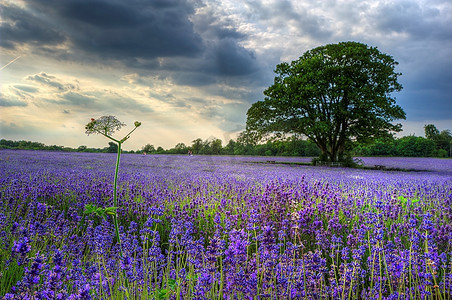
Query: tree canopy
(443, 139)
(333, 94)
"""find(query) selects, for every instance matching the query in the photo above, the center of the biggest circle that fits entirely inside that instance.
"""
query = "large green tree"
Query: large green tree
(334, 94)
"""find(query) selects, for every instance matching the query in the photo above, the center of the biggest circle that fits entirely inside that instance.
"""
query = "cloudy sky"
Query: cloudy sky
(190, 69)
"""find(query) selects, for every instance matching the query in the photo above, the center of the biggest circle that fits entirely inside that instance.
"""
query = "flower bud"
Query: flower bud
(137, 124)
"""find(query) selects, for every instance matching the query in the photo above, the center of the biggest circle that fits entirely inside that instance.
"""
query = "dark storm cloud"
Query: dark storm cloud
(427, 94)
(408, 17)
(426, 77)
(224, 58)
(426, 104)
(120, 29)
(232, 59)
(197, 48)
(19, 26)
(423, 51)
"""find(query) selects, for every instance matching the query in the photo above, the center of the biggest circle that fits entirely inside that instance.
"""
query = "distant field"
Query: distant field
(218, 227)
(442, 165)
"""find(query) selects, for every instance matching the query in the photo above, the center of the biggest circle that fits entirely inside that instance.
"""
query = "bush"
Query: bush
(441, 153)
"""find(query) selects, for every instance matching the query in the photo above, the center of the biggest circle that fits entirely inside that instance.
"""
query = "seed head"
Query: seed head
(105, 125)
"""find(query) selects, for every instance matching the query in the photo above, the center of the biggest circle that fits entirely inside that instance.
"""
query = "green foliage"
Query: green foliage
(407, 203)
(27, 145)
(166, 293)
(160, 149)
(92, 209)
(333, 94)
(215, 146)
(431, 132)
(442, 140)
(230, 147)
(112, 147)
(414, 146)
(410, 146)
(181, 148)
(441, 153)
(10, 272)
(197, 146)
(148, 148)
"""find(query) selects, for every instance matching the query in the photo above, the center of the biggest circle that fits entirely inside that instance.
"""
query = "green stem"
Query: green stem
(128, 135)
(115, 197)
(107, 136)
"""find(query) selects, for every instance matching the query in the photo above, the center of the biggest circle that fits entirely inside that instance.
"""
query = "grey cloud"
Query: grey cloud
(118, 29)
(223, 58)
(233, 60)
(20, 95)
(20, 26)
(102, 101)
(72, 95)
(198, 100)
(426, 105)
(197, 47)
(426, 80)
(224, 116)
(280, 13)
(26, 88)
(222, 61)
(9, 101)
(77, 99)
(178, 103)
(231, 127)
(11, 129)
(212, 25)
(52, 81)
(193, 78)
(420, 22)
(172, 100)
(125, 104)
(426, 100)
(19, 130)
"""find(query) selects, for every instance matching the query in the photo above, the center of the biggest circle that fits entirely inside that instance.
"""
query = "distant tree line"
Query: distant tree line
(435, 144)
(288, 147)
(27, 145)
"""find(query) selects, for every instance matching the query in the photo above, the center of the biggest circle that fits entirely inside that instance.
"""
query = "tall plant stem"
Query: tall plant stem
(115, 197)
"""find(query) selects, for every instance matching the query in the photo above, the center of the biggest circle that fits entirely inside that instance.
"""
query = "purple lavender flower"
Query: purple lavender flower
(32, 276)
(21, 249)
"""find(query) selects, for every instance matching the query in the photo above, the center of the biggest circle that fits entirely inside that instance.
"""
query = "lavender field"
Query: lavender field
(206, 227)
